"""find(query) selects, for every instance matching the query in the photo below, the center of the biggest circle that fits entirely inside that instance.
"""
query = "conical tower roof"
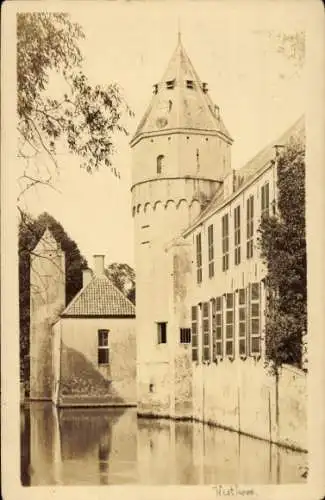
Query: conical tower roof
(181, 101)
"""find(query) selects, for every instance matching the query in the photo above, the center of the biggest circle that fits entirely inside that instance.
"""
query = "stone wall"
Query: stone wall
(81, 380)
(241, 396)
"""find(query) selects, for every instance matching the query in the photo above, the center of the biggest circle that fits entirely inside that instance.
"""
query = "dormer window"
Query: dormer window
(160, 163)
(170, 84)
(155, 88)
(190, 84)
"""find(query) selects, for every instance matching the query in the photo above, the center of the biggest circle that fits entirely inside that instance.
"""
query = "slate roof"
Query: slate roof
(252, 169)
(100, 298)
(190, 108)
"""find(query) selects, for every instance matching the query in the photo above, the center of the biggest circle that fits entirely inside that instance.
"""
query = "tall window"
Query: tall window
(195, 344)
(160, 163)
(250, 227)
(217, 329)
(237, 234)
(205, 332)
(162, 332)
(210, 251)
(230, 324)
(225, 242)
(103, 348)
(254, 319)
(265, 200)
(242, 334)
(198, 258)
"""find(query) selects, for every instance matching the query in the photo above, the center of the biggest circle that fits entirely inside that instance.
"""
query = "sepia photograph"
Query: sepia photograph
(158, 202)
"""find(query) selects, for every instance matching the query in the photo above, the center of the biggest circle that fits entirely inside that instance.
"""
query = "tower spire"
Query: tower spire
(179, 34)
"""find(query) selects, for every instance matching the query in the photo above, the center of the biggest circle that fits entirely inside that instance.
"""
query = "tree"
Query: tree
(30, 231)
(82, 118)
(123, 277)
(283, 248)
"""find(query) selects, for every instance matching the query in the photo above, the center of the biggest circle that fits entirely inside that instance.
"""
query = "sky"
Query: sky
(260, 92)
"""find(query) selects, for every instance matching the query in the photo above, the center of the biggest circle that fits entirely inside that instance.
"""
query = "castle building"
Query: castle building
(200, 279)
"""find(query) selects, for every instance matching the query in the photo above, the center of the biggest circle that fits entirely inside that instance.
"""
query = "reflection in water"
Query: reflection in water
(111, 446)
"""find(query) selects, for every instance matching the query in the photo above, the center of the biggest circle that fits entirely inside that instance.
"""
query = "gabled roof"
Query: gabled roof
(100, 298)
(181, 107)
(47, 242)
(245, 175)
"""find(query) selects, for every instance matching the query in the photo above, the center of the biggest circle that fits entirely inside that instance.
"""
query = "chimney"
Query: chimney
(99, 261)
(86, 276)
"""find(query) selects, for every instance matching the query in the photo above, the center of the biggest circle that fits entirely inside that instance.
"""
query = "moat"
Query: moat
(112, 446)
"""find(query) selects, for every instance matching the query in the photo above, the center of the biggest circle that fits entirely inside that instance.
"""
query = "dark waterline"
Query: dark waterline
(113, 446)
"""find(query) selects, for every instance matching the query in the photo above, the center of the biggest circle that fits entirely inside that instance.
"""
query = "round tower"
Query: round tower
(181, 154)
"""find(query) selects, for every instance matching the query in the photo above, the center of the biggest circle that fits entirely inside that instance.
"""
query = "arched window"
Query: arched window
(160, 163)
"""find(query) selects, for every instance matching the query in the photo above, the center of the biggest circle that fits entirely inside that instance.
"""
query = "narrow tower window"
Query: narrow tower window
(190, 84)
(170, 84)
(160, 163)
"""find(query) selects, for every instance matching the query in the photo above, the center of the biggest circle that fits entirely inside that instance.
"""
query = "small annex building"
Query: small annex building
(83, 354)
(94, 348)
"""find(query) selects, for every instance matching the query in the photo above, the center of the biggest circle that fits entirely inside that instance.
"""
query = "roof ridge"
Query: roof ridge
(117, 289)
(75, 298)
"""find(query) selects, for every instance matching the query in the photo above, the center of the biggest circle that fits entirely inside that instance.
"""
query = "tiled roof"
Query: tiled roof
(100, 298)
(181, 107)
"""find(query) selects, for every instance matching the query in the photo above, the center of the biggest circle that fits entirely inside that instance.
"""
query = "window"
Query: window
(160, 163)
(195, 344)
(225, 242)
(170, 84)
(254, 319)
(210, 251)
(242, 322)
(265, 200)
(237, 235)
(185, 335)
(155, 88)
(198, 258)
(190, 84)
(162, 333)
(103, 349)
(230, 324)
(205, 332)
(250, 227)
(217, 329)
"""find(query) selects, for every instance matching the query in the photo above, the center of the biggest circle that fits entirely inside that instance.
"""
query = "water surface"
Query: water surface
(113, 446)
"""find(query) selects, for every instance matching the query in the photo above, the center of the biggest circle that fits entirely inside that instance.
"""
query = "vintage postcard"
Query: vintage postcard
(162, 230)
